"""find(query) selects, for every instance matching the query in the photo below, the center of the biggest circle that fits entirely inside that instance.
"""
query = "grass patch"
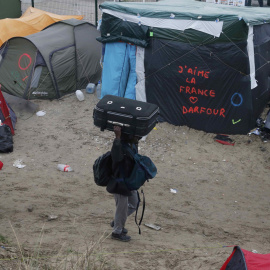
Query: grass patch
(3, 239)
(90, 256)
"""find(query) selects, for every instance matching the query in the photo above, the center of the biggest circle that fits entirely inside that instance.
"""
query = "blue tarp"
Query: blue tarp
(119, 70)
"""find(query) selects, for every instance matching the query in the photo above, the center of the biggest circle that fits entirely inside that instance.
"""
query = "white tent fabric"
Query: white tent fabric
(140, 86)
(251, 57)
(213, 28)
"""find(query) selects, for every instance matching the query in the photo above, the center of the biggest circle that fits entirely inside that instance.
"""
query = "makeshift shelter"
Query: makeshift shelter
(54, 62)
(10, 9)
(205, 65)
(241, 259)
(7, 115)
(32, 21)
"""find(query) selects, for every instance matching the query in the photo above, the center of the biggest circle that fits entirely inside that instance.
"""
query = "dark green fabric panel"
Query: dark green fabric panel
(64, 70)
(134, 41)
(191, 10)
(233, 31)
(261, 93)
(176, 75)
(10, 9)
(114, 29)
(88, 53)
(45, 89)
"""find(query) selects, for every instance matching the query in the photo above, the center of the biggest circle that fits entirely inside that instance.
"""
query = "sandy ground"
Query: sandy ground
(222, 194)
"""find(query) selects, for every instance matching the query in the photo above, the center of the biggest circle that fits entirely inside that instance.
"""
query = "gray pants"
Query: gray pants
(125, 206)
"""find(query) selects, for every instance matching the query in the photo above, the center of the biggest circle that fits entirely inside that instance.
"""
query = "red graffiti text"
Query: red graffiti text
(203, 110)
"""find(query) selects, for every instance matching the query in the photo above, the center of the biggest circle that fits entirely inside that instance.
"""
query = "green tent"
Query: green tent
(205, 65)
(10, 9)
(54, 62)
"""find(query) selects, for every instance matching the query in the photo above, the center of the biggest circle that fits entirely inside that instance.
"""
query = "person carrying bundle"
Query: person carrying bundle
(126, 200)
(123, 170)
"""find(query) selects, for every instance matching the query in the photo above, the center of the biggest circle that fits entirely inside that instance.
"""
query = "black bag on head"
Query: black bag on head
(102, 169)
(135, 117)
(6, 139)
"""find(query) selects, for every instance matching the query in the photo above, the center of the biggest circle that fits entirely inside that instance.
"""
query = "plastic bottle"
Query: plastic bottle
(90, 88)
(64, 168)
(98, 91)
(80, 95)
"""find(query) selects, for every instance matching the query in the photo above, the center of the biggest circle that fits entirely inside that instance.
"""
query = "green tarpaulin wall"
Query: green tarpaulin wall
(206, 66)
(236, 21)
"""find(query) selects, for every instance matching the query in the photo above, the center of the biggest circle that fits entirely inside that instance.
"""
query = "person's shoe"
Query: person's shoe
(121, 237)
(124, 230)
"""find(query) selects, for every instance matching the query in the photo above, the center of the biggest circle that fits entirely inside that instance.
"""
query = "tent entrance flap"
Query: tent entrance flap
(63, 65)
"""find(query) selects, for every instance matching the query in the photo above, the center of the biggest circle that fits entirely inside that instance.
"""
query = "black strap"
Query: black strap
(105, 115)
(122, 170)
(132, 150)
(104, 121)
(134, 126)
(138, 204)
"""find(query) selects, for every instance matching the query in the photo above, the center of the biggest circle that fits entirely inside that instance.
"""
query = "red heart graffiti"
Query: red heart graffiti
(193, 100)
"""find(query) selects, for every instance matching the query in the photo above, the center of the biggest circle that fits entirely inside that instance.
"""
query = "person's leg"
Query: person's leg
(120, 218)
(132, 202)
(248, 2)
(121, 213)
(260, 3)
(268, 2)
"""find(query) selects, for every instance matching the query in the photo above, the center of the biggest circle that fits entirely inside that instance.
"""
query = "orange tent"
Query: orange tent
(32, 21)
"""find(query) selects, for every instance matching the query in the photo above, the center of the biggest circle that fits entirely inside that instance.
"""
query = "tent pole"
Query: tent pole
(96, 12)
(33, 4)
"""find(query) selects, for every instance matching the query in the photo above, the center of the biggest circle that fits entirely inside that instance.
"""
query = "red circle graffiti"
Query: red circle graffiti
(19, 62)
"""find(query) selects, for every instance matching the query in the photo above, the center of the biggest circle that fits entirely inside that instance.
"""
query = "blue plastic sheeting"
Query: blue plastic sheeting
(119, 70)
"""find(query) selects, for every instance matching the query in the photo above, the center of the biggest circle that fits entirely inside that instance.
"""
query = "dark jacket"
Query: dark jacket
(122, 165)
